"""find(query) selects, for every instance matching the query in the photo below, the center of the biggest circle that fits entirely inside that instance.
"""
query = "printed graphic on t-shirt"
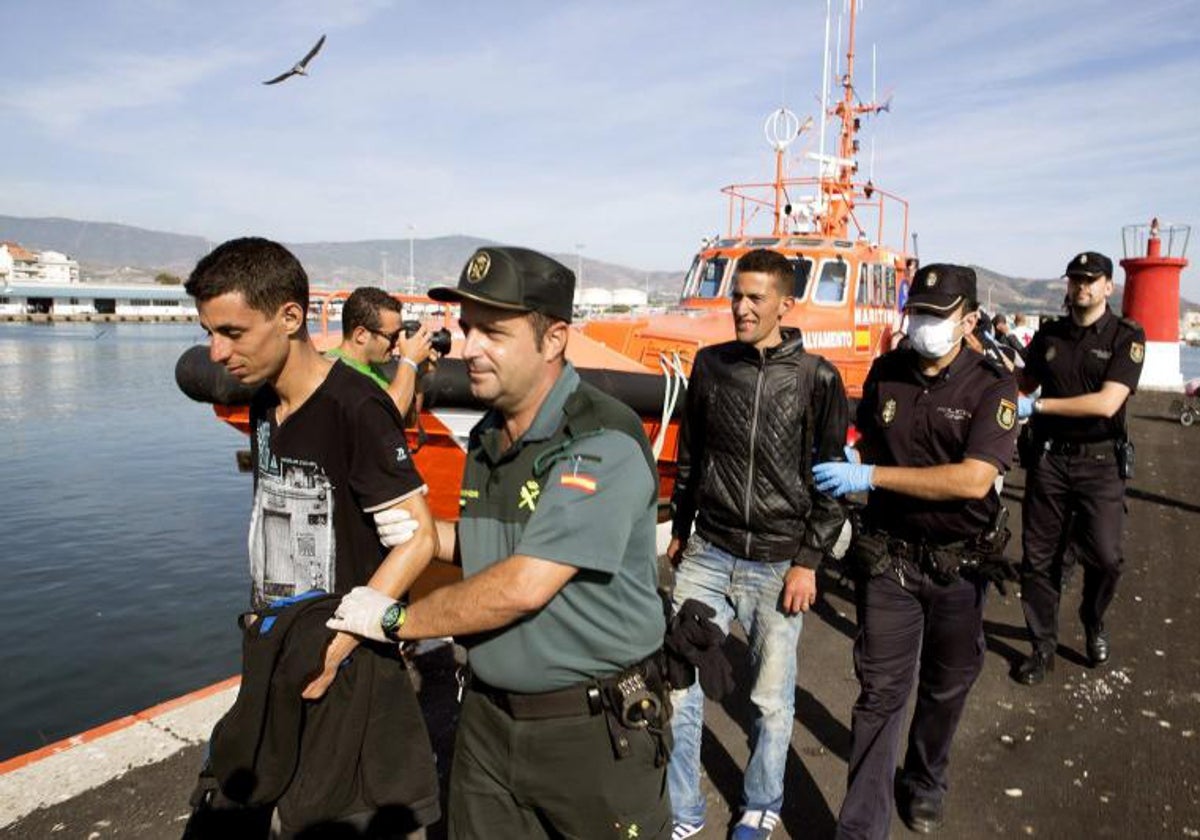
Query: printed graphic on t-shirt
(292, 544)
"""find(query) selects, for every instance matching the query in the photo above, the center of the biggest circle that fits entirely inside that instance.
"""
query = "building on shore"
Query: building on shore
(45, 285)
(94, 301)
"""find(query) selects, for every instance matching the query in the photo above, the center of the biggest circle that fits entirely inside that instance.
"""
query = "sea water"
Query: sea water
(122, 529)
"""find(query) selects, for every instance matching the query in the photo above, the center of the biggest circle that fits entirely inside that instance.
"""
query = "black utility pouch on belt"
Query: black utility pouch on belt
(1029, 448)
(868, 554)
(943, 564)
(1125, 458)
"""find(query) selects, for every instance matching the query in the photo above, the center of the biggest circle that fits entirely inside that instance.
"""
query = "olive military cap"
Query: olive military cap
(514, 278)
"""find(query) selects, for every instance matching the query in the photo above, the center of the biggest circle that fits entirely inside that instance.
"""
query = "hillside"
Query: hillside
(108, 251)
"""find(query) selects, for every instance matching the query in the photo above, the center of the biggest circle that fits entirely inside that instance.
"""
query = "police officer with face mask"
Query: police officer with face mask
(938, 425)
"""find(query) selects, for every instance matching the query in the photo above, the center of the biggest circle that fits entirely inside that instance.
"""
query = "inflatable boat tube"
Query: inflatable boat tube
(448, 387)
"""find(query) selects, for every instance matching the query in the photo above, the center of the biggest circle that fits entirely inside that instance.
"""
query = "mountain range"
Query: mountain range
(115, 252)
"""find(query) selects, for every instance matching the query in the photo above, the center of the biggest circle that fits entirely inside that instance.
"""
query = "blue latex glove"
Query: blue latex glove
(838, 479)
(852, 454)
(1024, 406)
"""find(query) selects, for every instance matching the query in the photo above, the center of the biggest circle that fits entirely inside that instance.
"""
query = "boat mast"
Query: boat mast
(838, 188)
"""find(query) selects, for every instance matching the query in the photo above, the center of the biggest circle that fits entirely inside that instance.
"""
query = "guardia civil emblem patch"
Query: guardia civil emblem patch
(889, 411)
(1051, 352)
(1137, 352)
(530, 491)
(1006, 415)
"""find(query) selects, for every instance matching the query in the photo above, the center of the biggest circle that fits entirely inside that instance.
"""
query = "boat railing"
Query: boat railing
(803, 213)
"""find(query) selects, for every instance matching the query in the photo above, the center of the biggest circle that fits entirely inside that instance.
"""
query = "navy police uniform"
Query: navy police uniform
(916, 616)
(1074, 494)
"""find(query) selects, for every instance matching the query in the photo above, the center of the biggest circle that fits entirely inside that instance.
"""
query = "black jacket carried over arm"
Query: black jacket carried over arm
(362, 747)
(744, 474)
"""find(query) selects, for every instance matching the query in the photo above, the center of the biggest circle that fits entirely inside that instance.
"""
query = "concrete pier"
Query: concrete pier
(1110, 752)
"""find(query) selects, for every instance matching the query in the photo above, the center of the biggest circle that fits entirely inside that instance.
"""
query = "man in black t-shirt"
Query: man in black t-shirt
(329, 451)
(1088, 364)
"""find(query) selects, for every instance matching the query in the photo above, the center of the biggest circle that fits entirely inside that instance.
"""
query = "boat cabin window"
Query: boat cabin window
(802, 269)
(876, 286)
(831, 285)
(704, 280)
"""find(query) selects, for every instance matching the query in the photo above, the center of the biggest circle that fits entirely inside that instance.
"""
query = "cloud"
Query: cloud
(114, 82)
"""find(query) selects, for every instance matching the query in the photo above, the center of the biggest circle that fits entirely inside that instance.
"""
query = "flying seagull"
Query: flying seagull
(299, 70)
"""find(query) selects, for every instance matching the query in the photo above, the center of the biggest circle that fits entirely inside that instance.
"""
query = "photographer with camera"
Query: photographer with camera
(373, 330)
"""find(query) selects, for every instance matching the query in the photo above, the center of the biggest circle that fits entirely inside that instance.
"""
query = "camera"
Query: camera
(439, 339)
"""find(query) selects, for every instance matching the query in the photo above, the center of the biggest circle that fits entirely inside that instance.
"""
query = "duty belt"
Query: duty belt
(1089, 449)
(579, 700)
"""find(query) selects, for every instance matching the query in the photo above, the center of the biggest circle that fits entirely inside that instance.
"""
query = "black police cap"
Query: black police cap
(1089, 264)
(941, 287)
(514, 278)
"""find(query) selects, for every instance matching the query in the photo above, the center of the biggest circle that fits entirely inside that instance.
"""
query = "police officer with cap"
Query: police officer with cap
(938, 424)
(1078, 458)
(562, 730)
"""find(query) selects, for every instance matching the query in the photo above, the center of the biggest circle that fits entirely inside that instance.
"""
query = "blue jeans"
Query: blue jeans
(749, 591)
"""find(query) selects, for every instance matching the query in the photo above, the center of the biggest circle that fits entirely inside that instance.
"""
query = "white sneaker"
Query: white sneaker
(681, 831)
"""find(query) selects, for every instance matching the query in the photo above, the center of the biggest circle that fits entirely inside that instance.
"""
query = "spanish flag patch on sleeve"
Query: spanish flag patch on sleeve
(579, 481)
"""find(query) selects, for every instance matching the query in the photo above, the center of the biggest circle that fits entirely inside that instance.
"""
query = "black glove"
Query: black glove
(694, 642)
(998, 572)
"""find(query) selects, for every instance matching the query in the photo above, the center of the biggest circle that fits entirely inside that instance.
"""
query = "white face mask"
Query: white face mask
(931, 336)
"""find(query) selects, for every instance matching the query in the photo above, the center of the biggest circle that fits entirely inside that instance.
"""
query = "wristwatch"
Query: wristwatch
(392, 620)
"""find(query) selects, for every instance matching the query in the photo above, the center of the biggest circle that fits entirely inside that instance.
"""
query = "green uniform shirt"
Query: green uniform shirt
(591, 505)
(365, 369)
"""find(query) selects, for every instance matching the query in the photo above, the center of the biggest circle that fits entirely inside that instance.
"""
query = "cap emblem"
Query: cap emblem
(479, 267)
(931, 279)
(1083, 259)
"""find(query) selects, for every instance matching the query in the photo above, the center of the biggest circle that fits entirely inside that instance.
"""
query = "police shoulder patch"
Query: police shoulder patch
(1006, 415)
(889, 411)
(1137, 352)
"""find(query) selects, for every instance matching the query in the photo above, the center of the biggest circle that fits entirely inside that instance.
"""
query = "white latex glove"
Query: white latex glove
(361, 612)
(395, 526)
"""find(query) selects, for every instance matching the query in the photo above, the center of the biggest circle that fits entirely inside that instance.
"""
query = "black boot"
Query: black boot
(1034, 669)
(1097, 645)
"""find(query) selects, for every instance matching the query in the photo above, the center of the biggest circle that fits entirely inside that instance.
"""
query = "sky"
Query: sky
(1020, 131)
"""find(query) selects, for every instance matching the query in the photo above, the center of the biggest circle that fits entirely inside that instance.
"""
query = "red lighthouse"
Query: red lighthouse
(1152, 296)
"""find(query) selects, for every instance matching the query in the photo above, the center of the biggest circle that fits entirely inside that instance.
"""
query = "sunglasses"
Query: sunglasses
(390, 337)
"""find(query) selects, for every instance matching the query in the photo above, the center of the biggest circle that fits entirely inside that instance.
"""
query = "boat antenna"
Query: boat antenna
(824, 91)
(874, 98)
(781, 129)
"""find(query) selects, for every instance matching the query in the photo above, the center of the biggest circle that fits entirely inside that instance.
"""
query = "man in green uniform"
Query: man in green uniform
(561, 732)
(372, 327)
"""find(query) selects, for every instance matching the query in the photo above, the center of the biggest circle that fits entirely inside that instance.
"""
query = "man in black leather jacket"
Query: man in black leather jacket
(759, 410)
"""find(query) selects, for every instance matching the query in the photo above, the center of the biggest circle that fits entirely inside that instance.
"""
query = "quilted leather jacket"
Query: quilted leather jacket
(743, 473)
